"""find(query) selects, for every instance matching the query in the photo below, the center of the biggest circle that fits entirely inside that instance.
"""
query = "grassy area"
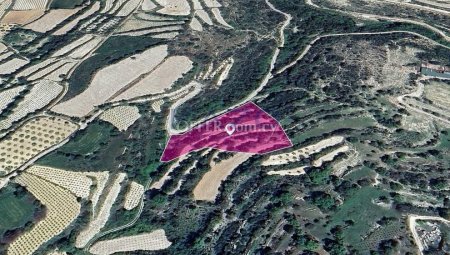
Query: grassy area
(94, 149)
(360, 173)
(355, 123)
(150, 168)
(15, 211)
(444, 142)
(90, 140)
(359, 208)
(65, 4)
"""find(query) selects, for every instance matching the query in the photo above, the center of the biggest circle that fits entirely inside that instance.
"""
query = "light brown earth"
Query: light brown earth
(51, 20)
(153, 241)
(208, 187)
(22, 17)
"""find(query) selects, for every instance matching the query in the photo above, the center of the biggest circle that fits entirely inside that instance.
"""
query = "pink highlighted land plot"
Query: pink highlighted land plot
(245, 129)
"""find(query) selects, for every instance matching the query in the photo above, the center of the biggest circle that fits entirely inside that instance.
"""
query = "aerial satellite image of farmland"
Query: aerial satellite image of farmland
(224, 127)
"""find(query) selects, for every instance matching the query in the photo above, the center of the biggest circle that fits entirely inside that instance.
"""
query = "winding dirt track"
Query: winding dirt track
(374, 16)
(302, 54)
(267, 77)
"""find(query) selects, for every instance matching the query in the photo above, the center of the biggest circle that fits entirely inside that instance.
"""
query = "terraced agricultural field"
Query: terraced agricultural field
(62, 209)
(153, 241)
(133, 196)
(208, 187)
(122, 73)
(39, 96)
(22, 17)
(51, 20)
(34, 137)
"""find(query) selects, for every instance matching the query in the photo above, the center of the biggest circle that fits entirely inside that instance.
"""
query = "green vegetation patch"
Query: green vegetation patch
(89, 140)
(445, 139)
(16, 209)
(244, 77)
(360, 173)
(359, 208)
(309, 22)
(65, 4)
(354, 123)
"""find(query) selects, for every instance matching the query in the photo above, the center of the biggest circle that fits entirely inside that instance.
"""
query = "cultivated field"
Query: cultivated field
(195, 25)
(153, 241)
(40, 95)
(69, 26)
(61, 72)
(32, 138)
(330, 156)
(133, 196)
(5, 55)
(225, 72)
(111, 80)
(148, 5)
(128, 7)
(174, 7)
(161, 79)
(212, 3)
(22, 17)
(208, 187)
(117, 6)
(137, 24)
(122, 117)
(73, 45)
(3, 48)
(156, 106)
(168, 35)
(30, 5)
(305, 152)
(219, 18)
(54, 70)
(197, 5)
(7, 96)
(154, 30)
(202, 14)
(86, 48)
(4, 5)
(75, 182)
(222, 71)
(62, 209)
(99, 179)
(40, 67)
(440, 4)
(109, 4)
(429, 100)
(12, 65)
(51, 19)
(438, 93)
(99, 221)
